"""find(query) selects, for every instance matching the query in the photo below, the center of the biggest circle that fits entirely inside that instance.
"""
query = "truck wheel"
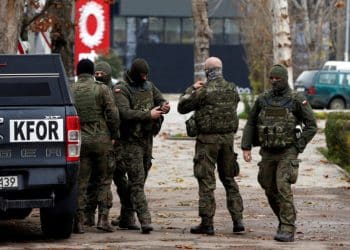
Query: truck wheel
(57, 222)
(337, 103)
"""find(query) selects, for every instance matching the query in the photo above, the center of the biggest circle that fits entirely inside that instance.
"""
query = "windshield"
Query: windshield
(306, 78)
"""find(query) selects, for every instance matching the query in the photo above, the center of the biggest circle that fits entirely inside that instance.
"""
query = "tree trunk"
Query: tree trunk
(62, 34)
(282, 42)
(202, 35)
(11, 14)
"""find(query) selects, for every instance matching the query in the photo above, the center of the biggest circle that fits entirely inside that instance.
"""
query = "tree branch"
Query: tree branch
(296, 4)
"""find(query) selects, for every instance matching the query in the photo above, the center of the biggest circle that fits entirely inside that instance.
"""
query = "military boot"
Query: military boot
(78, 226)
(89, 219)
(205, 227)
(284, 236)
(116, 221)
(129, 225)
(146, 228)
(238, 226)
(103, 223)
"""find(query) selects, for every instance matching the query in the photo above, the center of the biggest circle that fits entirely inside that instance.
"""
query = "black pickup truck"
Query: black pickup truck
(39, 142)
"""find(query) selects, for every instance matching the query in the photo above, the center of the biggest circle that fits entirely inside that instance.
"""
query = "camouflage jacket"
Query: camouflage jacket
(136, 121)
(194, 100)
(108, 125)
(301, 110)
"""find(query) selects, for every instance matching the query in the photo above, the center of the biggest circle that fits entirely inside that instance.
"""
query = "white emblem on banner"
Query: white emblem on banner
(91, 9)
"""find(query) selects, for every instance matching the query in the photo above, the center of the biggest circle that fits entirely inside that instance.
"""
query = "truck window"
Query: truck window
(30, 91)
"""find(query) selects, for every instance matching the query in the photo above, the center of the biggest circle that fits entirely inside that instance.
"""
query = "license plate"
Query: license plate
(8, 182)
(300, 89)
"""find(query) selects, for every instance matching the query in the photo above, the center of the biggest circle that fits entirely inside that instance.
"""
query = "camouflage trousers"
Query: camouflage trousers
(92, 195)
(137, 162)
(121, 181)
(94, 159)
(277, 172)
(206, 156)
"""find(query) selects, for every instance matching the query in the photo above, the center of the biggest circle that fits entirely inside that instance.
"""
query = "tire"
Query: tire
(337, 103)
(57, 222)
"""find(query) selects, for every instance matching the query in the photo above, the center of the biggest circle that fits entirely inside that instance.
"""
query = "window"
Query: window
(119, 34)
(327, 78)
(217, 26)
(155, 34)
(172, 30)
(231, 27)
(187, 30)
(142, 29)
(344, 79)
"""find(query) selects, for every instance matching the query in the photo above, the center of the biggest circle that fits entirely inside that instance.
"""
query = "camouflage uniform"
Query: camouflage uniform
(99, 119)
(216, 119)
(115, 170)
(135, 101)
(272, 125)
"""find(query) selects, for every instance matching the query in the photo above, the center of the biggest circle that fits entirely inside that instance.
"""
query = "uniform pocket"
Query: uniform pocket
(199, 168)
(293, 171)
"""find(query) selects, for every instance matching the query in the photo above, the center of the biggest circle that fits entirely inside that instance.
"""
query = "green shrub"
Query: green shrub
(247, 102)
(337, 133)
(321, 115)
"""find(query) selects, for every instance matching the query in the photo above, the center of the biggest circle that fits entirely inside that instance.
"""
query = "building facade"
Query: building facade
(161, 31)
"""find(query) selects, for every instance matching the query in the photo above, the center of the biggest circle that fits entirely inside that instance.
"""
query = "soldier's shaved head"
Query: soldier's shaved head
(212, 62)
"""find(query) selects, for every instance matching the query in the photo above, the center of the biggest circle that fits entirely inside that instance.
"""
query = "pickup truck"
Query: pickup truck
(39, 142)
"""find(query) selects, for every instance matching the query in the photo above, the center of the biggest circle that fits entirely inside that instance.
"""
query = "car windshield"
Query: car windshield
(305, 79)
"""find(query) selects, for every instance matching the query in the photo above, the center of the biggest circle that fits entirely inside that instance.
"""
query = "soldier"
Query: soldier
(141, 106)
(214, 104)
(274, 124)
(99, 119)
(103, 74)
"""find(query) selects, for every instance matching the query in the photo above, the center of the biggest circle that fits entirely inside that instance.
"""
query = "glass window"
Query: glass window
(346, 80)
(172, 30)
(217, 26)
(231, 31)
(155, 34)
(119, 34)
(142, 29)
(327, 78)
(187, 30)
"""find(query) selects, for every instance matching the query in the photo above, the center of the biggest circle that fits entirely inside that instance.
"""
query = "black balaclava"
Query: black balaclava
(106, 68)
(85, 66)
(279, 71)
(139, 66)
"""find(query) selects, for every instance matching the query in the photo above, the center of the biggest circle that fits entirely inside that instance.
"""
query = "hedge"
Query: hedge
(337, 133)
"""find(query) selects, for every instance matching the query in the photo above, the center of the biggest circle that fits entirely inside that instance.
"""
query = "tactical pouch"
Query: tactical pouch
(157, 125)
(235, 166)
(191, 127)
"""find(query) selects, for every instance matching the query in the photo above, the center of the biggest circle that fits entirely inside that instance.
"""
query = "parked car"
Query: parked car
(325, 89)
(336, 65)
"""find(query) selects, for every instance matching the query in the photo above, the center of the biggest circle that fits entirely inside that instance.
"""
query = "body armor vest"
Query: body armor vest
(276, 123)
(85, 101)
(140, 99)
(218, 109)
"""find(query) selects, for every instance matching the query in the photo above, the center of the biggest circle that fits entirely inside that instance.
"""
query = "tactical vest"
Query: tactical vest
(140, 99)
(276, 123)
(85, 101)
(218, 109)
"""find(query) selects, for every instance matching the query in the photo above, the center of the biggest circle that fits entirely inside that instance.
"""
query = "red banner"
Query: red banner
(92, 29)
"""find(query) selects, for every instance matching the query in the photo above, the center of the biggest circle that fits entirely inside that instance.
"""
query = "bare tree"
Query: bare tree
(202, 35)
(282, 41)
(11, 16)
(320, 30)
(256, 28)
